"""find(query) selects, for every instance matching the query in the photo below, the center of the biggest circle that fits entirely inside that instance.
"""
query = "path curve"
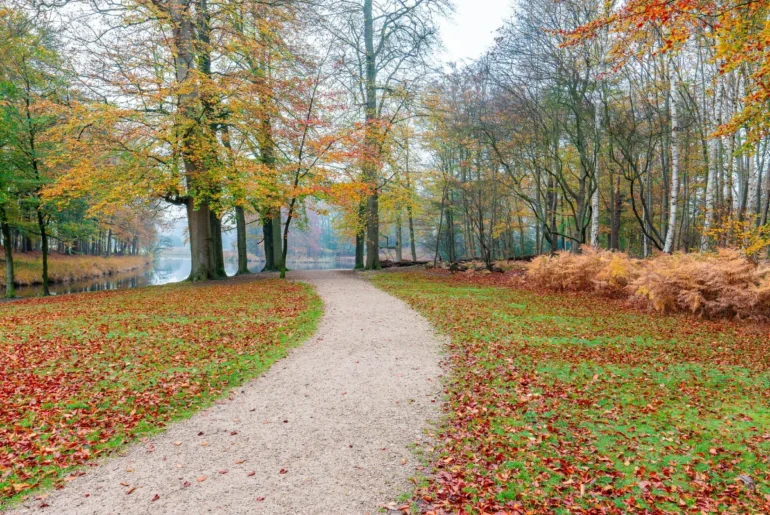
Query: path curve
(325, 430)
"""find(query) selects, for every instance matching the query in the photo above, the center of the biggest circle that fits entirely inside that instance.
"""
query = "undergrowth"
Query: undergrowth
(720, 284)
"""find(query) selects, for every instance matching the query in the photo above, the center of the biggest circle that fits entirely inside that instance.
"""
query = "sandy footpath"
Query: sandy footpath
(324, 431)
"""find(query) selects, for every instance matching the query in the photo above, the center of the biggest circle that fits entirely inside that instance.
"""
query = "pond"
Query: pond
(166, 270)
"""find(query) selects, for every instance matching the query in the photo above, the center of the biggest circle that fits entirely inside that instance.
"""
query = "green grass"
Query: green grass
(575, 404)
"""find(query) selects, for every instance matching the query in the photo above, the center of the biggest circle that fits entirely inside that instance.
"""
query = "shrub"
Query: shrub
(590, 270)
(722, 284)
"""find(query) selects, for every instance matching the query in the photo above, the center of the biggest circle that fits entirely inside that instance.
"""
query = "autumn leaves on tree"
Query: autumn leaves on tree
(233, 111)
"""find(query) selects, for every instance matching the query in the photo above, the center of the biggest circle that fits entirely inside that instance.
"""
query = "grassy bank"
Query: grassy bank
(63, 268)
(571, 403)
(85, 373)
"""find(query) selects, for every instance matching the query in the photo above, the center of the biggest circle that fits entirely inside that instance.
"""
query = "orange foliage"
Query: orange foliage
(724, 284)
(590, 270)
(711, 285)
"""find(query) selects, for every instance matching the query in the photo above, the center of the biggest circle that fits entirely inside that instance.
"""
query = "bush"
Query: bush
(592, 269)
(722, 284)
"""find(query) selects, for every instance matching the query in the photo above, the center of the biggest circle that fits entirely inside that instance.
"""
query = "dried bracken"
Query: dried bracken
(724, 284)
(590, 270)
(721, 284)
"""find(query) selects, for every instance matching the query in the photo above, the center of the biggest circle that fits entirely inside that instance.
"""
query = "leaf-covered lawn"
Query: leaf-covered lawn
(577, 404)
(81, 374)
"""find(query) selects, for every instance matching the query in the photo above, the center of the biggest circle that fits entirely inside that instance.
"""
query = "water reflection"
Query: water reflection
(166, 270)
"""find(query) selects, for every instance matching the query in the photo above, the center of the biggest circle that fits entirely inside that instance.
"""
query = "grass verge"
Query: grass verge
(63, 268)
(568, 403)
(84, 374)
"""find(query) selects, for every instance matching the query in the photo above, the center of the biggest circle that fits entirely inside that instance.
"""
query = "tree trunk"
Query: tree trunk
(617, 211)
(216, 249)
(399, 239)
(44, 247)
(597, 164)
(710, 193)
(370, 164)
(267, 240)
(668, 246)
(243, 258)
(203, 266)
(277, 242)
(10, 290)
(373, 232)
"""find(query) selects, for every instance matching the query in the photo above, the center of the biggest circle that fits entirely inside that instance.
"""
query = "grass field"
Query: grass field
(83, 374)
(563, 403)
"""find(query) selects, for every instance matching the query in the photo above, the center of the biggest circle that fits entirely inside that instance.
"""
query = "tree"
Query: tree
(385, 49)
(34, 90)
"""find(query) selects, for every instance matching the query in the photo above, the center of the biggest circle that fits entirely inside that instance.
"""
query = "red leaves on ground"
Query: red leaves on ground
(572, 403)
(81, 373)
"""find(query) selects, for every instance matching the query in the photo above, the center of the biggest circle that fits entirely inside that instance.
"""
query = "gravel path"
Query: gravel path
(324, 431)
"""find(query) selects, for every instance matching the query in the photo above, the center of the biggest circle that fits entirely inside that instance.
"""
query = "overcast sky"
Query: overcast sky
(471, 29)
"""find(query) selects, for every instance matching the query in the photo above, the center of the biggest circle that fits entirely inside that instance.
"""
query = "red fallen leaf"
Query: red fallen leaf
(260, 498)
(200, 433)
(130, 490)
(186, 484)
(155, 498)
(44, 505)
(223, 472)
(713, 451)
(283, 471)
(233, 433)
(200, 479)
(251, 473)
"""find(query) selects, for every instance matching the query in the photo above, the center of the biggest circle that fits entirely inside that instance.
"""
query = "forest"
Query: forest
(634, 128)
(575, 223)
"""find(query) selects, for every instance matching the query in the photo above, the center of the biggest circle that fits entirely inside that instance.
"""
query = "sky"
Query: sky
(471, 29)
